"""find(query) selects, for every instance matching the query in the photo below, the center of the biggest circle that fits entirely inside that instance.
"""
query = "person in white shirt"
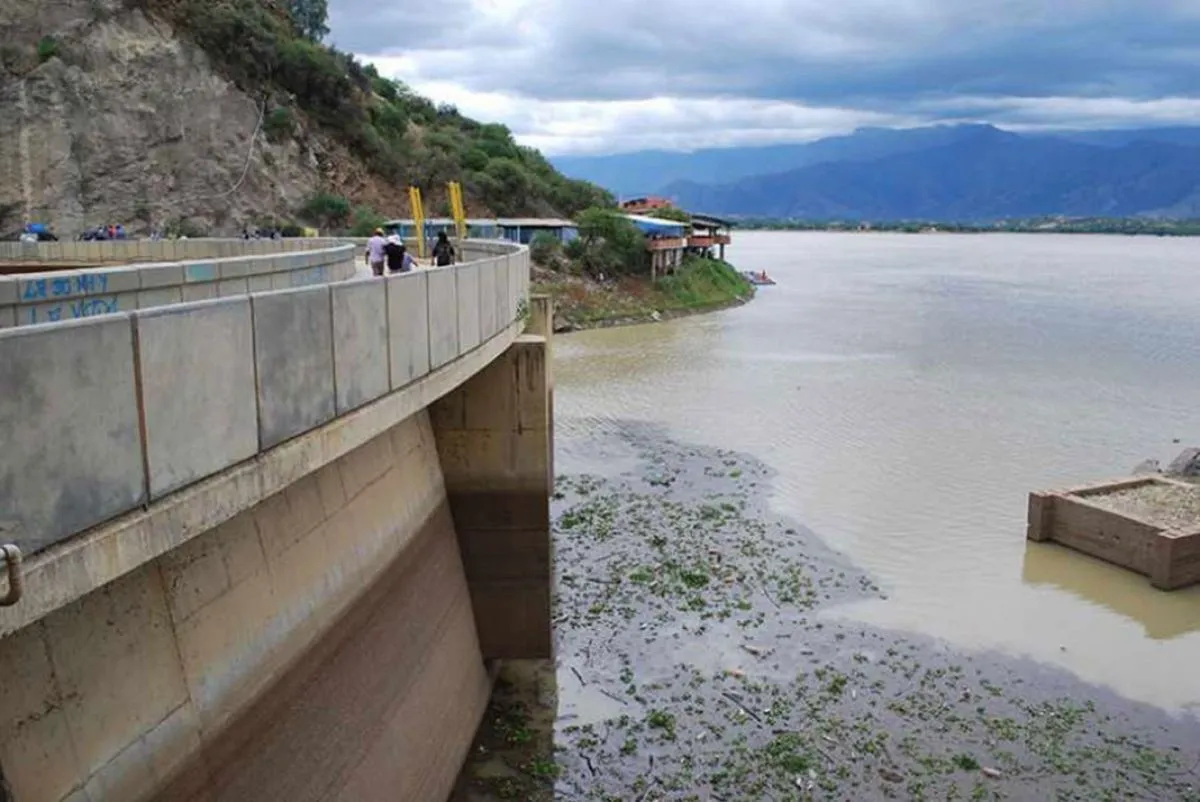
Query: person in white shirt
(375, 255)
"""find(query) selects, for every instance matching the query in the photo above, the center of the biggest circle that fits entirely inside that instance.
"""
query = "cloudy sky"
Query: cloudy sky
(570, 76)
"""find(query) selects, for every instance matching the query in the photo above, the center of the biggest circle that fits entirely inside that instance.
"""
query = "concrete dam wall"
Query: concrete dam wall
(271, 538)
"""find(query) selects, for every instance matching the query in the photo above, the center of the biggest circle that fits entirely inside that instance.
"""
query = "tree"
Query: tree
(327, 211)
(311, 17)
(611, 242)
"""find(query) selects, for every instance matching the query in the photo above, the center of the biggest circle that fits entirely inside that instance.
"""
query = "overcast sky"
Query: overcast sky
(570, 76)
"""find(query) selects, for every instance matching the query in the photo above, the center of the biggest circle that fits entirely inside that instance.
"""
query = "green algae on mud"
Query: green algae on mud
(694, 664)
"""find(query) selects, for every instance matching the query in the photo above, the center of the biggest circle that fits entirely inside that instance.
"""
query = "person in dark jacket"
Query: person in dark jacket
(443, 251)
(398, 260)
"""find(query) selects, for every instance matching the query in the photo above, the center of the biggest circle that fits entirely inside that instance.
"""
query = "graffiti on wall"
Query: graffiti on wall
(43, 289)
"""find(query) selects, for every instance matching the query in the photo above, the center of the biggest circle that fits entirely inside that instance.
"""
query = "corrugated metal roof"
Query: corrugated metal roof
(657, 225)
(709, 220)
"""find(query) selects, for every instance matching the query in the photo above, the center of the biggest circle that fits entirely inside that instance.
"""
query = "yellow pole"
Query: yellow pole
(418, 216)
(458, 208)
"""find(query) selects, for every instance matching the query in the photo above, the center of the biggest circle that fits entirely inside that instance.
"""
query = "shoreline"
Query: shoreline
(658, 316)
(582, 303)
(694, 663)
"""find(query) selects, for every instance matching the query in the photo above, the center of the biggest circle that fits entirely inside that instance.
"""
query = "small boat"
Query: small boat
(759, 278)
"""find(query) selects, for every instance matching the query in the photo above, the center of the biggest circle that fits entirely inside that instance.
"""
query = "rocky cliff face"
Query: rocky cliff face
(119, 120)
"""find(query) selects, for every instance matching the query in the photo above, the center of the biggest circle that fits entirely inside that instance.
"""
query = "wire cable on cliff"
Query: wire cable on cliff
(262, 113)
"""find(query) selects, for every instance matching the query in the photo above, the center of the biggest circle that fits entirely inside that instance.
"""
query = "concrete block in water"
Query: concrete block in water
(408, 326)
(196, 364)
(468, 307)
(293, 352)
(360, 342)
(73, 447)
(443, 316)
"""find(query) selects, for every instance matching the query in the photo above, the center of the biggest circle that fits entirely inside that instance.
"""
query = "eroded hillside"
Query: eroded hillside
(214, 114)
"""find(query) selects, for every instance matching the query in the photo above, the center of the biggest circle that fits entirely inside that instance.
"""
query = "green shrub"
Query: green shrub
(47, 48)
(701, 282)
(544, 248)
(326, 211)
(364, 221)
(475, 158)
(612, 244)
(278, 125)
(399, 135)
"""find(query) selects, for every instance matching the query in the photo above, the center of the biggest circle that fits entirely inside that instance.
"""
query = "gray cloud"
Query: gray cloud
(889, 58)
(803, 50)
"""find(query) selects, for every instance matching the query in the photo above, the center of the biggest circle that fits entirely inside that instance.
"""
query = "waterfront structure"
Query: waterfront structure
(709, 232)
(263, 522)
(1148, 524)
(666, 242)
(521, 230)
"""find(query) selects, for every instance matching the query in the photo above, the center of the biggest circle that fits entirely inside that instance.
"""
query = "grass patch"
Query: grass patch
(697, 285)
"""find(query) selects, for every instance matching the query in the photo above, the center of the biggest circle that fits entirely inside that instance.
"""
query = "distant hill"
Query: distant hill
(986, 175)
(646, 172)
(966, 173)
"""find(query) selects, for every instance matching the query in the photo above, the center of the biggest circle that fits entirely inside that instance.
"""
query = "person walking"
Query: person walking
(398, 260)
(443, 251)
(375, 254)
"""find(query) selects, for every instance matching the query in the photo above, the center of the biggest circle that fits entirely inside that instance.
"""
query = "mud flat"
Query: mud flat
(694, 664)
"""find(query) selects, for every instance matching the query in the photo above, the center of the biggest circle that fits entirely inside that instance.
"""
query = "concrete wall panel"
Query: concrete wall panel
(443, 317)
(469, 335)
(69, 414)
(489, 291)
(360, 342)
(408, 326)
(504, 292)
(163, 296)
(199, 403)
(293, 354)
(213, 671)
(495, 438)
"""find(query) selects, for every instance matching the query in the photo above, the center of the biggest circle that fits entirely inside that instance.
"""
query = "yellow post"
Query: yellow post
(458, 209)
(418, 216)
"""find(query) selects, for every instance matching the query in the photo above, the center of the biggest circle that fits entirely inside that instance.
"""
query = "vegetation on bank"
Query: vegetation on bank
(604, 277)
(401, 136)
(1038, 225)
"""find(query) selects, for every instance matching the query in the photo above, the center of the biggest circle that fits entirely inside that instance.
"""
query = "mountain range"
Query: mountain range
(966, 173)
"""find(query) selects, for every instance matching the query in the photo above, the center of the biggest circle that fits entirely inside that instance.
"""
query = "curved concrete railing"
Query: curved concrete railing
(109, 413)
(66, 294)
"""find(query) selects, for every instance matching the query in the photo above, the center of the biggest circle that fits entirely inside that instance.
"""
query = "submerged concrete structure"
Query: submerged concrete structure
(271, 535)
(1155, 533)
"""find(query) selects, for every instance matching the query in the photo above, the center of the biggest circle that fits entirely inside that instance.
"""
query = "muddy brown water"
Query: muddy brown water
(910, 391)
(791, 558)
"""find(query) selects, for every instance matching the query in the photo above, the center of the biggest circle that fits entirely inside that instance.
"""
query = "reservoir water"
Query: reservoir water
(909, 391)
